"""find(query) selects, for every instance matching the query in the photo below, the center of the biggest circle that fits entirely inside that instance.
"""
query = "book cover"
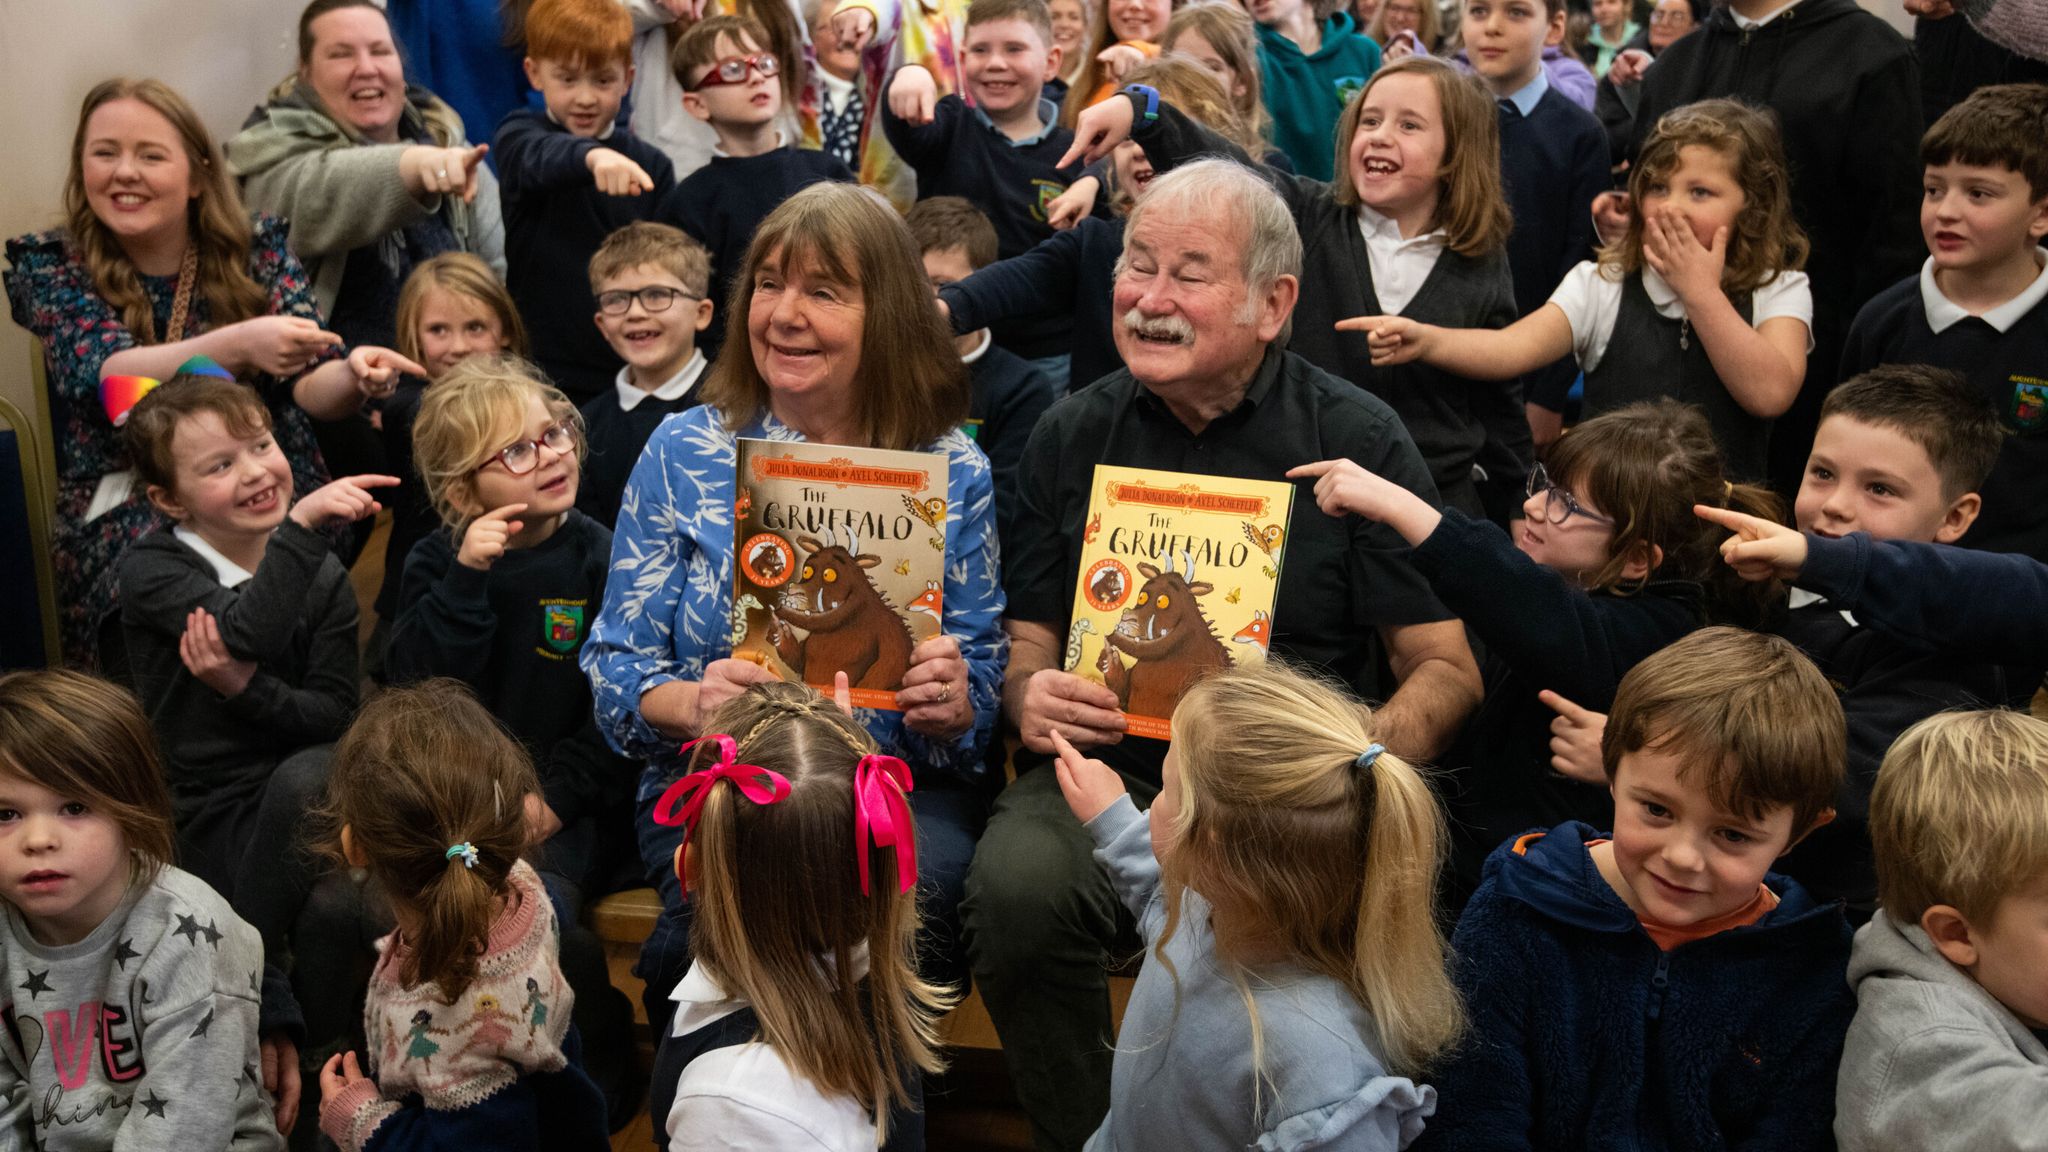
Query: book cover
(1178, 575)
(840, 560)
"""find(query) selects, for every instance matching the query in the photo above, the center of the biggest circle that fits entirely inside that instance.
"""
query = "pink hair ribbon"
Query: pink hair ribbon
(881, 814)
(756, 783)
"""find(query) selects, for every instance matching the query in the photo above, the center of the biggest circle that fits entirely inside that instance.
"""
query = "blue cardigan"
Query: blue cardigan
(1585, 1036)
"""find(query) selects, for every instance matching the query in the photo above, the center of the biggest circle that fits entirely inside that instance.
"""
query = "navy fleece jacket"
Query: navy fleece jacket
(1585, 1037)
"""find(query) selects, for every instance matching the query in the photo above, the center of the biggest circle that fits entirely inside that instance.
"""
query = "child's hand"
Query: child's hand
(281, 1077)
(1391, 339)
(206, 656)
(913, 95)
(617, 175)
(339, 1074)
(1118, 59)
(1071, 207)
(1403, 44)
(377, 370)
(842, 693)
(485, 539)
(1090, 786)
(684, 11)
(344, 501)
(1611, 212)
(1760, 549)
(1692, 270)
(854, 27)
(282, 346)
(1101, 127)
(1575, 740)
(1342, 486)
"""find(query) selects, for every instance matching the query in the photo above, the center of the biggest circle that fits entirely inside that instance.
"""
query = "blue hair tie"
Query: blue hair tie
(1365, 758)
(466, 850)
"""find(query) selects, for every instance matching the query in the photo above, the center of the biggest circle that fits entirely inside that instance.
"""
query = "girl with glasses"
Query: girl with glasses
(501, 599)
(1607, 565)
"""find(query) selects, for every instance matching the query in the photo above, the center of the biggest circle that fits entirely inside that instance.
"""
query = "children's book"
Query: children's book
(840, 562)
(1178, 575)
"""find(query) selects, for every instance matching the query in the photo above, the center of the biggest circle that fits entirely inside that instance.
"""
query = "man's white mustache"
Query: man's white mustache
(1158, 327)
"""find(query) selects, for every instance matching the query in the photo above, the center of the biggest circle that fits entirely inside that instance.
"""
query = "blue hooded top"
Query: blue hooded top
(1585, 1036)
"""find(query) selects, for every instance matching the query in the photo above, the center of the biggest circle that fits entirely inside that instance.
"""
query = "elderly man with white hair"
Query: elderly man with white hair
(1203, 296)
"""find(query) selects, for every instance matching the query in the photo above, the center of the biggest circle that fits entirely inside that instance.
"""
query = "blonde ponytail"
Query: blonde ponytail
(1306, 841)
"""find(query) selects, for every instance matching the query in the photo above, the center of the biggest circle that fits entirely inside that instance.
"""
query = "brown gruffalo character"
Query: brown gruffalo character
(1168, 640)
(850, 625)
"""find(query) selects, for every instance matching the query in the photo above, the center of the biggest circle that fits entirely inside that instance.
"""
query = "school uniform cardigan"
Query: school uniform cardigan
(1450, 418)
(1585, 1036)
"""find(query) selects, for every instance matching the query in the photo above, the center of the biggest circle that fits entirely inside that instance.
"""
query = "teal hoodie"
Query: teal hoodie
(1305, 94)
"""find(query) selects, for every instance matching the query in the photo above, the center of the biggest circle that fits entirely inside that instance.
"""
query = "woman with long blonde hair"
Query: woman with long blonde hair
(1284, 880)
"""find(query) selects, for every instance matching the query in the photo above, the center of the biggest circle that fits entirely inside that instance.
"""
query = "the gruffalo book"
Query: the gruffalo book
(1178, 574)
(840, 559)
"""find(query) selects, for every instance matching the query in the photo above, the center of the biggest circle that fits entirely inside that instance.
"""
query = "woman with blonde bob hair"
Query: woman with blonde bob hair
(833, 340)
(157, 262)
(1285, 881)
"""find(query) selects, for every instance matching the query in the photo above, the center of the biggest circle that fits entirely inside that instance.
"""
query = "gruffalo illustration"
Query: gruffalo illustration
(849, 625)
(1167, 638)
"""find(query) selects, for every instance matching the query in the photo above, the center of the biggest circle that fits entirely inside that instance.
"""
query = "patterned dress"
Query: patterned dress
(667, 606)
(52, 295)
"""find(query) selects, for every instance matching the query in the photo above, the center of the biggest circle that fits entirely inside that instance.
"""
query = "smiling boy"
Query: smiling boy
(653, 288)
(1002, 151)
(1661, 986)
(1978, 303)
(570, 175)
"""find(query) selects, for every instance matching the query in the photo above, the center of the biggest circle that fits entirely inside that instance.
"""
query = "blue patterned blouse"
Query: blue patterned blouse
(667, 605)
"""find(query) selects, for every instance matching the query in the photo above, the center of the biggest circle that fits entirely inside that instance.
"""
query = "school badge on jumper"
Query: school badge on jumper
(562, 625)
(1048, 191)
(2029, 409)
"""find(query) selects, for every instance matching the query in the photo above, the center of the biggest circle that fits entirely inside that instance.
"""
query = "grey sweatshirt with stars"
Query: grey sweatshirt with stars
(140, 1036)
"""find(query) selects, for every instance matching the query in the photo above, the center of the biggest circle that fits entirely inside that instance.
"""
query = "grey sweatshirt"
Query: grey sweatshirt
(1187, 1082)
(1932, 1061)
(142, 1036)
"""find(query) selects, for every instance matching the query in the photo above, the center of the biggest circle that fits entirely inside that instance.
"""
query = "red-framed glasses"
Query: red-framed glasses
(735, 70)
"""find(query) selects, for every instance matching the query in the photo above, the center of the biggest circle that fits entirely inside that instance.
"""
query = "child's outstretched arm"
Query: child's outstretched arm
(1343, 487)
(1540, 338)
(1932, 596)
(1762, 367)
(1122, 834)
(1040, 282)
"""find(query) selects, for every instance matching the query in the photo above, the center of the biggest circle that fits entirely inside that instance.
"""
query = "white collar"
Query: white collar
(229, 573)
(604, 135)
(987, 341)
(675, 388)
(1385, 228)
(1663, 297)
(718, 150)
(1943, 312)
(700, 999)
(1748, 25)
(1801, 598)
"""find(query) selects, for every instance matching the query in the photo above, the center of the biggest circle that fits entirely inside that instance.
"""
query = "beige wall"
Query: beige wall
(222, 54)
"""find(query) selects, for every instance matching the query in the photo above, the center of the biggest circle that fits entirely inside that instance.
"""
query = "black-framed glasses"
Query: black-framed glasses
(734, 69)
(1559, 505)
(657, 298)
(521, 457)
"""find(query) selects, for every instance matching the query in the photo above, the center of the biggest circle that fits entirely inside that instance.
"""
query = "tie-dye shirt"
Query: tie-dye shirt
(928, 33)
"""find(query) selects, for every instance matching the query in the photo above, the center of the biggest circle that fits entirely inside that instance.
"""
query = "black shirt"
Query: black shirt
(1340, 578)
